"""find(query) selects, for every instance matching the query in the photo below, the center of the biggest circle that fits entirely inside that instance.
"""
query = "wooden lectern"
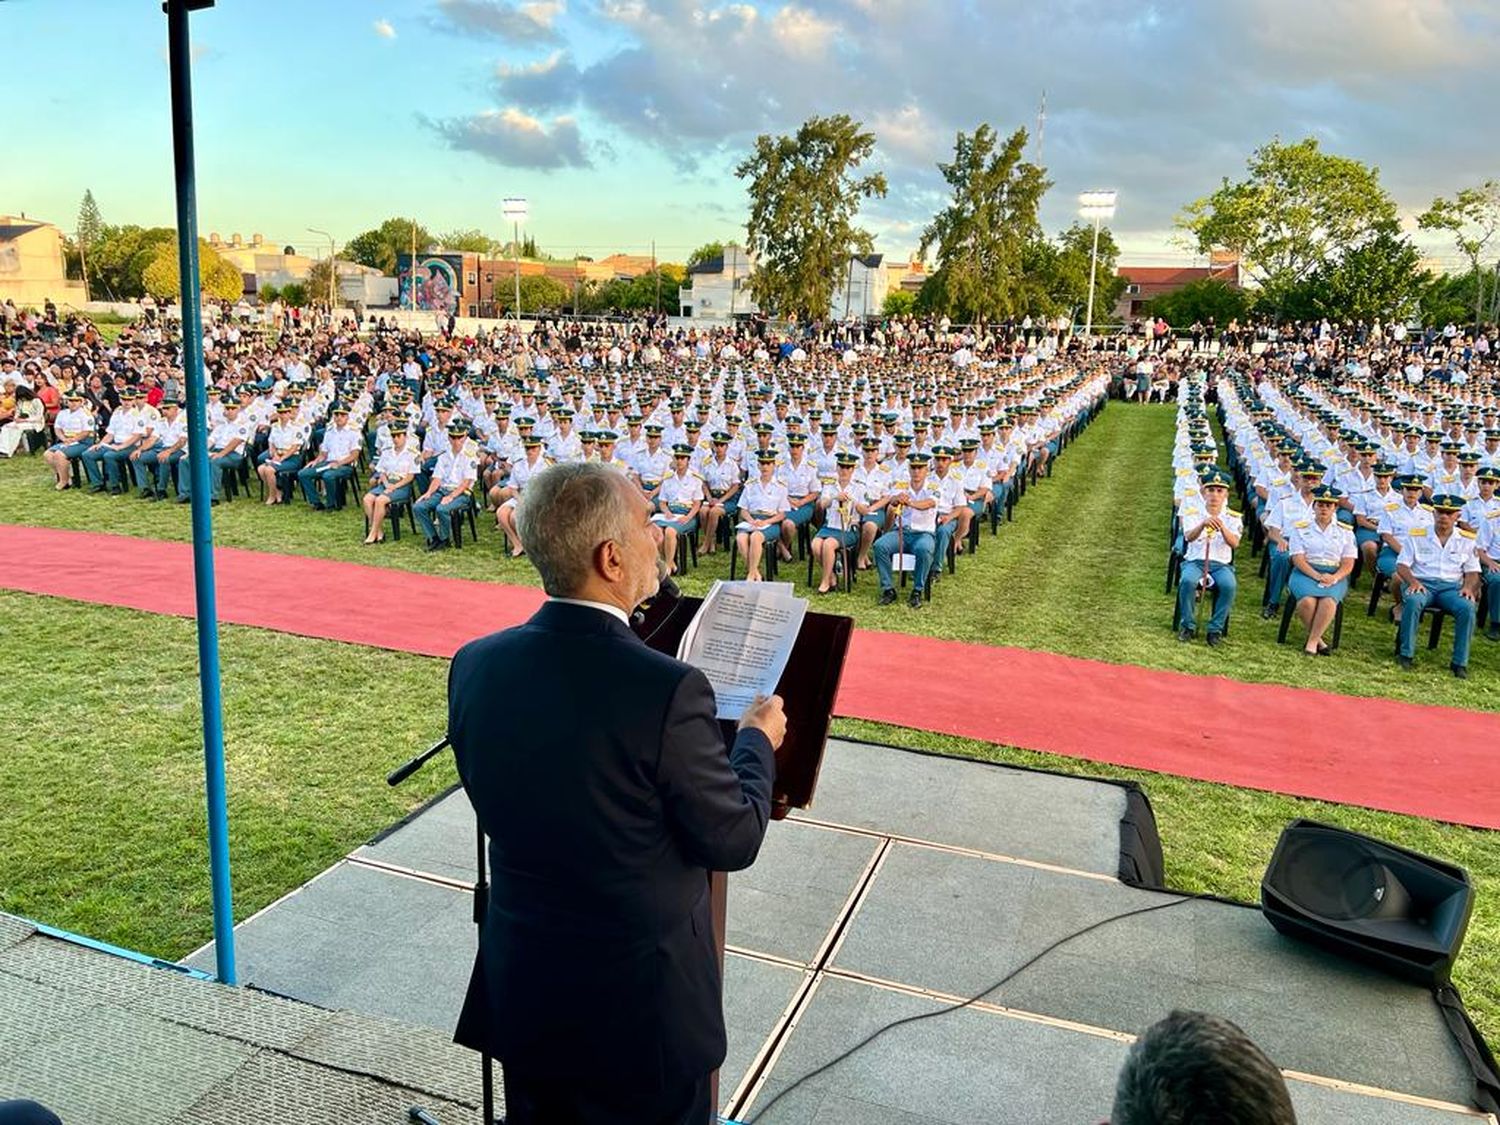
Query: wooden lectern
(807, 688)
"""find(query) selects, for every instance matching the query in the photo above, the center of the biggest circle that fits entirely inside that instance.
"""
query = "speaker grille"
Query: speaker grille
(1335, 877)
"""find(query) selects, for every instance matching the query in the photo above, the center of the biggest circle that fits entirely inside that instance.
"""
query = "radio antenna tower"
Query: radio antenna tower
(1041, 128)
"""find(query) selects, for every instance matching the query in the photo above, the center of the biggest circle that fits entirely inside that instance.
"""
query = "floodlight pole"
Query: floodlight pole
(1088, 319)
(207, 618)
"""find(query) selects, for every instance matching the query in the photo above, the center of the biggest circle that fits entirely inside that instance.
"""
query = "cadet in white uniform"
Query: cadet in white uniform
(678, 502)
(763, 505)
(842, 502)
(447, 497)
(721, 478)
(1323, 555)
(283, 452)
(390, 483)
(1440, 567)
(1209, 536)
(154, 467)
(915, 533)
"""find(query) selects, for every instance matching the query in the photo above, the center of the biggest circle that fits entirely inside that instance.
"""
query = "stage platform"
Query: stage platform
(915, 882)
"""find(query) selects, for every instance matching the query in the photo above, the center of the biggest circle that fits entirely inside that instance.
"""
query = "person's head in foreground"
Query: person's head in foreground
(1192, 1068)
(587, 529)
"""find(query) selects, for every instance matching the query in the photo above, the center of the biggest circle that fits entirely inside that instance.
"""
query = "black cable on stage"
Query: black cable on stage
(879, 1031)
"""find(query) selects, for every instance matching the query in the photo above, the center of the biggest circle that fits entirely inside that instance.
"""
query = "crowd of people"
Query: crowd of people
(872, 451)
(1359, 450)
(1355, 454)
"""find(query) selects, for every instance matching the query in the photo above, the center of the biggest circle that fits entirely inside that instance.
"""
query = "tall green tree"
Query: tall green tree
(1064, 286)
(1298, 209)
(982, 236)
(87, 232)
(805, 191)
(471, 239)
(538, 293)
(1201, 301)
(219, 277)
(118, 260)
(378, 248)
(1472, 217)
(1381, 279)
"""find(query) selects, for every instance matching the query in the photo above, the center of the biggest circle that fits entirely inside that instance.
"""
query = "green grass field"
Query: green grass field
(106, 835)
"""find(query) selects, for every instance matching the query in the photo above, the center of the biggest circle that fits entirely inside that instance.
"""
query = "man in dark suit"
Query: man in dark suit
(600, 775)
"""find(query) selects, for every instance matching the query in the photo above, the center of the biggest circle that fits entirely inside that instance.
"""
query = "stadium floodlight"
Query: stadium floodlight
(1097, 205)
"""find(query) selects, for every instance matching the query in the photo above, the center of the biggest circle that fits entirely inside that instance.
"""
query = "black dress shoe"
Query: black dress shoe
(1185, 635)
(1215, 640)
(1493, 633)
(153, 496)
(1404, 662)
(887, 597)
(184, 499)
(915, 601)
(96, 488)
(1269, 612)
(316, 505)
(1460, 671)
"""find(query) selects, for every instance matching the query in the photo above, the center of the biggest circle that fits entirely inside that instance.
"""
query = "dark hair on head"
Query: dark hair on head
(1192, 1068)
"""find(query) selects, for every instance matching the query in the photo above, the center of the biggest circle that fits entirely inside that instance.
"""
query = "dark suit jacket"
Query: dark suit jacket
(600, 775)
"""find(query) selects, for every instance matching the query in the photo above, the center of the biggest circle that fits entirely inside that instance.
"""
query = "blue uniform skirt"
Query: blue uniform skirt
(1302, 586)
(847, 539)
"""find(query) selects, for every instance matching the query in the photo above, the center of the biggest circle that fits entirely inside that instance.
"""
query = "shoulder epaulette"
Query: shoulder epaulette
(1418, 530)
(1468, 534)
(1232, 512)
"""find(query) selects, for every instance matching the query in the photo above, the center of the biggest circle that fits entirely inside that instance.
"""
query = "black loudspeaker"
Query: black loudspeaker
(1398, 910)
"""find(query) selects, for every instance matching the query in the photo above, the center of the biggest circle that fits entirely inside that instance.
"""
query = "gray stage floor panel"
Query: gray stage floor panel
(366, 940)
(1068, 821)
(321, 946)
(954, 924)
(960, 1067)
(439, 840)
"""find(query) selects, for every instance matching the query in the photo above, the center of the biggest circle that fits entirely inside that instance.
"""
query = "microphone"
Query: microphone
(667, 592)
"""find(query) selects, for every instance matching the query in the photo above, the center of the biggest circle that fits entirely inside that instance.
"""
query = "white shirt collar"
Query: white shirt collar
(612, 610)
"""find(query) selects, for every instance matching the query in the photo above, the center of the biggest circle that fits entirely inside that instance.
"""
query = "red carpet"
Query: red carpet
(1435, 762)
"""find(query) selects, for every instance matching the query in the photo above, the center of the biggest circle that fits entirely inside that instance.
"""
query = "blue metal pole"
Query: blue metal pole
(203, 543)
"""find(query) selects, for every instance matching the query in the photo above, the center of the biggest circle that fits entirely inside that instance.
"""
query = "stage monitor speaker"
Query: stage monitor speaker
(1399, 910)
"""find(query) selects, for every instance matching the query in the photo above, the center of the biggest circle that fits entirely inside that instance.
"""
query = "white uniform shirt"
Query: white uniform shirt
(1323, 547)
(1209, 541)
(397, 465)
(721, 476)
(834, 508)
(73, 421)
(1429, 558)
(1398, 522)
(226, 431)
(799, 479)
(170, 433)
(453, 470)
(925, 519)
(764, 500)
(339, 443)
(680, 492)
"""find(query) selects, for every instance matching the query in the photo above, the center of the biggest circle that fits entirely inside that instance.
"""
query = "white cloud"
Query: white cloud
(516, 139)
(384, 29)
(802, 33)
(530, 22)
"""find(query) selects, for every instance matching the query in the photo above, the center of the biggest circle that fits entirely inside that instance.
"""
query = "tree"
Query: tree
(1472, 217)
(473, 240)
(1198, 302)
(267, 294)
(899, 302)
(294, 294)
(1300, 208)
(378, 248)
(218, 277)
(804, 194)
(119, 258)
(1380, 279)
(319, 280)
(1058, 281)
(705, 253)
(89, 229)
(538, 292)
(982, 236)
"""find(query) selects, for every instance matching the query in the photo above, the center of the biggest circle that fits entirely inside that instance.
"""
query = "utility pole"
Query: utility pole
(411, 268)
(657, 274)
(83, 264)
(333, 268)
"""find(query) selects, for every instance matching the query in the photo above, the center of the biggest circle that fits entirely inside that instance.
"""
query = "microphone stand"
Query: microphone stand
(481, 905)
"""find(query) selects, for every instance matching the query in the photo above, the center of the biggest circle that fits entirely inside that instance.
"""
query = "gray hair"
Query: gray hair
(566, 511)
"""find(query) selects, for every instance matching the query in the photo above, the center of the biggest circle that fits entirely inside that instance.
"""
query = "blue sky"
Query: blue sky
(621, 120)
